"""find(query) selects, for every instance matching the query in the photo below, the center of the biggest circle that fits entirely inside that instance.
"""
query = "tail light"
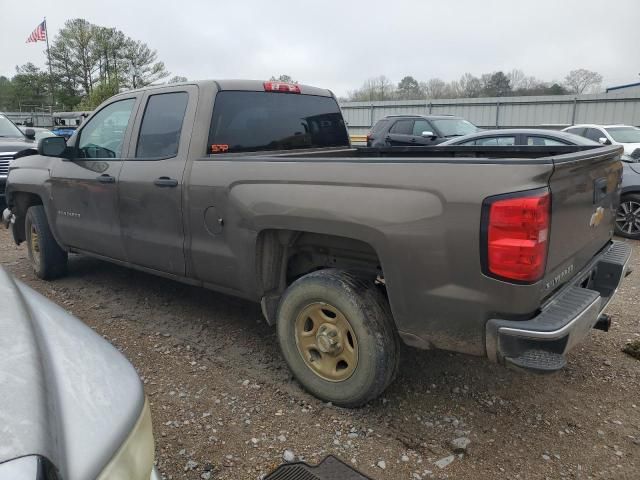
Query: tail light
(281, 87)
(516, 236)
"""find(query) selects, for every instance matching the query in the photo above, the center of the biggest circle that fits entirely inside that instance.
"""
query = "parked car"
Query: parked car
(398, 130)
(520, 136)
(628, 216)
(625, 135)
(72, 406)
(38, 132)
(12, 141)
(252, 189)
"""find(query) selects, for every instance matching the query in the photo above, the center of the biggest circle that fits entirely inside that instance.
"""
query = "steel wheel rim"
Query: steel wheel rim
(628, 217)
(326, 342)
(34, 243)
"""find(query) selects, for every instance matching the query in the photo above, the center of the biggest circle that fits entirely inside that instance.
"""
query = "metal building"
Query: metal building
(554, 111)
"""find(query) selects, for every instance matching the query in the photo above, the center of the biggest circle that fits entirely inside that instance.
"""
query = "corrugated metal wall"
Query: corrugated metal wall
(557, 111)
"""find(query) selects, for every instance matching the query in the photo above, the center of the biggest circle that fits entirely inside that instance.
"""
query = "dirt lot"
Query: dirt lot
(224, 405)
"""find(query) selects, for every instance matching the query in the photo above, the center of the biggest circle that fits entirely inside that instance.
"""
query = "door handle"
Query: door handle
(165, 182)
(106, 178)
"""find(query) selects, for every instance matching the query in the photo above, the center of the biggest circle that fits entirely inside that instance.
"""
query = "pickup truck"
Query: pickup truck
(13, 142)
(252, 188)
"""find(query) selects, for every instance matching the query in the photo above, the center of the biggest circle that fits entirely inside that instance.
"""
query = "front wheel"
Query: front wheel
(47, 259)
(628, 217)
(338, 338)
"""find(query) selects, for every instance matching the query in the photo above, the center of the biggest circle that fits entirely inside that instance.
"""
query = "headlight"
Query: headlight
(134, 458)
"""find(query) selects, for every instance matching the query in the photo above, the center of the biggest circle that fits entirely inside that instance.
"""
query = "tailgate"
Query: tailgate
(585, 189)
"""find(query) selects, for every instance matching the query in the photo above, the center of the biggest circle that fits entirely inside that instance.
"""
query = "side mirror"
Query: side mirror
(52, 146)
(428, 134)
(30, 133)
(604, 141)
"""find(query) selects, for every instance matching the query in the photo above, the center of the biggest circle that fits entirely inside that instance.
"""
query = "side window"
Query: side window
(403, 127)
(379, 126)
(594, 134)
(161, 125)
(420, 126)
(576, 131)
(470, 142)
(103, 136)
(494, 141)
(544, 141)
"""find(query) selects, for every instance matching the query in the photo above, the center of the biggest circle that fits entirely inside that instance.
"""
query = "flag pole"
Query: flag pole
(46, 34)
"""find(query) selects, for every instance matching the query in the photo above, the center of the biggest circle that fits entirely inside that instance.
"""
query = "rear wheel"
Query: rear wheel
(47, 259)
(628, 217)
(337, 336)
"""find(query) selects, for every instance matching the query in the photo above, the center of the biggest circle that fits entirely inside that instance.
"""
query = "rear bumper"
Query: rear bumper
(541, 344)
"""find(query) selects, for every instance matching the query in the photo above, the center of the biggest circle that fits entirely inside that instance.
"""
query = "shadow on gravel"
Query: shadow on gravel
(229, 330)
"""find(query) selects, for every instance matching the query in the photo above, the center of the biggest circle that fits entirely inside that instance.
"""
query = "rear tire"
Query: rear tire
(337, 335)
(628, 217)
(47, 258)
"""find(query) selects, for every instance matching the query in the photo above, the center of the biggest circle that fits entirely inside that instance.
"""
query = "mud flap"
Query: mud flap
(329, 469)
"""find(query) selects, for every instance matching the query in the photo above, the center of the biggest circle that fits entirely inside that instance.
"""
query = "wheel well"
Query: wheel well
(20, 203)
(283, 256)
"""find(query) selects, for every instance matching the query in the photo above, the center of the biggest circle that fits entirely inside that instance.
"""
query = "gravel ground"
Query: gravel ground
(224, 405)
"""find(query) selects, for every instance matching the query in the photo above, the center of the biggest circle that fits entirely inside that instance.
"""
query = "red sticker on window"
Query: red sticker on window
(219, 148)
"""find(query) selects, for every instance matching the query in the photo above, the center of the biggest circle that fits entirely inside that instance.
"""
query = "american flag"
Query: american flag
(39, 34)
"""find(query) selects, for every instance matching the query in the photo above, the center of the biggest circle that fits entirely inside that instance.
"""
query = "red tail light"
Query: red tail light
(281, 87)
(517, 236)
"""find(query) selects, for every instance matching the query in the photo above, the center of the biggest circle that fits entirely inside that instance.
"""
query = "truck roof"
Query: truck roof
(239, 84)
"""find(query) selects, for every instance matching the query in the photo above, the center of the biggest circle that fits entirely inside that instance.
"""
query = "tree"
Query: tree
(101, 91)
(378, 88)
(435, 88)
(6, 94)
(283, 79)
(495, 84)
(30, 85)
(177, 79)
(469, 86)
(578, 81)
(409, 89)
(143, 68)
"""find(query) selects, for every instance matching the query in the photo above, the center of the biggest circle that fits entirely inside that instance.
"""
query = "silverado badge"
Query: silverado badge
(597, 217)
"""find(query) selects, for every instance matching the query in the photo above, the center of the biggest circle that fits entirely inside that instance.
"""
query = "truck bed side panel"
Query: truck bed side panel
(424, 224)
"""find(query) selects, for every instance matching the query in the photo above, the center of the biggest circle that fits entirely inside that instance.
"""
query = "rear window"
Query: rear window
(255, 121)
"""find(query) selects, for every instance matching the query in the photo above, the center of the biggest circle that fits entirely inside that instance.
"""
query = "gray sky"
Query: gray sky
(339, 44)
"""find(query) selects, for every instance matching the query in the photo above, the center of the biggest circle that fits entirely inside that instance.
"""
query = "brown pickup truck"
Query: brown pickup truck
(252, 188)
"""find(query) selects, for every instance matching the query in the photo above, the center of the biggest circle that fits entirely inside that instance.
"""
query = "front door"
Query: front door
(151, 180)
(84, 190)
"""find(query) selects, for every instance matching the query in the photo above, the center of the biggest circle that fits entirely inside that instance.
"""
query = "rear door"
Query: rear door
(401, 133)
(585, 188)
(84, 191)
(151, 180)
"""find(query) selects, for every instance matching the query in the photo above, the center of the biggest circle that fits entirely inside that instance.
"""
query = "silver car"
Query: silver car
(71, 406)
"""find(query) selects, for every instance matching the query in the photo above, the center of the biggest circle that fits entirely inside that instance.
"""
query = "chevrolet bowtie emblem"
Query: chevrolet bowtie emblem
(597, 217)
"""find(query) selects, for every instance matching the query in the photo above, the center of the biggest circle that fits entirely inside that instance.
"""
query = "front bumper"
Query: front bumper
(541, 344)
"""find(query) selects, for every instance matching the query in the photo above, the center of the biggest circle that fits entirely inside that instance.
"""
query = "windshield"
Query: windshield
(625, 134)
(8, 129)
(454, 127)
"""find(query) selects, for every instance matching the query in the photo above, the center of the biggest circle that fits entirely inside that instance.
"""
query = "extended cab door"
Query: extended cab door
(151, 180)
(84, 190)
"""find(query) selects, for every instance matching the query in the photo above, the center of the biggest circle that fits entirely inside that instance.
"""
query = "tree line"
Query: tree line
(89, 63)
(495, 84)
